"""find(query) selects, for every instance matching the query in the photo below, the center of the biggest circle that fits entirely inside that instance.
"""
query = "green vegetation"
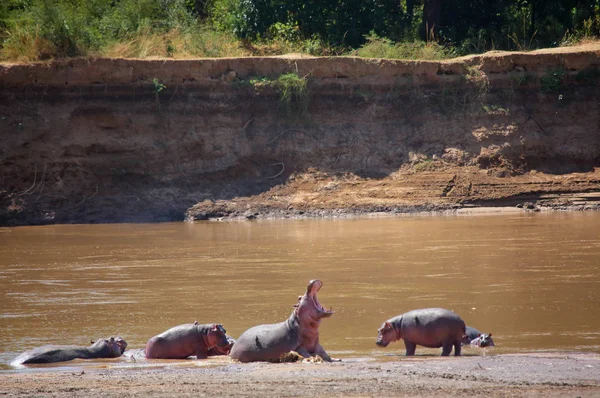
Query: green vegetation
(381, 47)
(158, 86)
(552, 80)
(292, 89)
(417, 29)
(495, 110)
(427, 164)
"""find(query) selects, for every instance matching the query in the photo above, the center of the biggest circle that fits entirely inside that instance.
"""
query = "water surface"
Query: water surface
(533, 280)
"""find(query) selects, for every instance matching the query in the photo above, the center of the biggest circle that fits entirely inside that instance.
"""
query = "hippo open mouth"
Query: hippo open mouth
(311, 292)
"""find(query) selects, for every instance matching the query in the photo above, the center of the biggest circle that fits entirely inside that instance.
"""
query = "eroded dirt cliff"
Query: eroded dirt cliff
(113, 140)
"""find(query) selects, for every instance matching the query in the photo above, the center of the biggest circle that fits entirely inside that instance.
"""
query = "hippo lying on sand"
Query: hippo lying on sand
(300, 333)
(109, 348)
(430, 327)
(475, 338)
(186, 340)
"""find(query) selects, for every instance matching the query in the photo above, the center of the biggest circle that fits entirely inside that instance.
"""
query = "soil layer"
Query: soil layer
(113, 140)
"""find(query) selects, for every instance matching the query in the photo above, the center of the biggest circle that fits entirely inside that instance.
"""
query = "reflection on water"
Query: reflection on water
(530, 279)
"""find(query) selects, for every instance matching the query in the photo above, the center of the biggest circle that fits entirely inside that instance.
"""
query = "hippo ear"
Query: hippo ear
(214, 327)
(92, 341)
(195, 322)
(479, 335)
(387, 325)
(490, 335)
(112, 339)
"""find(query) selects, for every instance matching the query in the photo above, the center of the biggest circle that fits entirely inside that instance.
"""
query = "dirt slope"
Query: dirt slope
(113, 140)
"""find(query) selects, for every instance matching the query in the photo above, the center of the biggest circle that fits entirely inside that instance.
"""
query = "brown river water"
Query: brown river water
(533, 280)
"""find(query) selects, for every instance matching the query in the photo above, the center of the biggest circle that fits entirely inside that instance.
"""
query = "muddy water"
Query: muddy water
(531, 279)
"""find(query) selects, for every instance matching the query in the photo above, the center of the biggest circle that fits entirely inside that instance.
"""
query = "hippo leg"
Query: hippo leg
(410, 348)
(446, 349)
(457, 348)
(320, 351)
(201, 354)
(303, 352)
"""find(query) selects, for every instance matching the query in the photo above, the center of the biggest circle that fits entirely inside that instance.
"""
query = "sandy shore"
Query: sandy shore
(548, 374)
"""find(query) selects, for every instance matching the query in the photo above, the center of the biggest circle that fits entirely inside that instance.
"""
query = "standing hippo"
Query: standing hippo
(300, 333)
(186, 340)
(429, 327)
(103, 348)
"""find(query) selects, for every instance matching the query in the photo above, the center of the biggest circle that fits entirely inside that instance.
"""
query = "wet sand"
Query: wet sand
(540, 374)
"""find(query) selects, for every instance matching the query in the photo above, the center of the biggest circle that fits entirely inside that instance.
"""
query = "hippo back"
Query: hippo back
(266, 342)
(432, 327)
(49, 354)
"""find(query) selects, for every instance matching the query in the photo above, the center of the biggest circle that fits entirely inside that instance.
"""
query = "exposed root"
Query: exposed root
(247, 124)
(26, 192)
(280, 172)
(42, 184)
(282, 133)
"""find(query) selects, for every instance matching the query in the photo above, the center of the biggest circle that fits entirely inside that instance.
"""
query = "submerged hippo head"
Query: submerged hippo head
(386, 334)
(483, 340)
(108, 348)
(217, 337)
(309, 306)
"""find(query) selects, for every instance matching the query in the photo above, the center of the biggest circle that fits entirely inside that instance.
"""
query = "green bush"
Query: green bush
(380, 47)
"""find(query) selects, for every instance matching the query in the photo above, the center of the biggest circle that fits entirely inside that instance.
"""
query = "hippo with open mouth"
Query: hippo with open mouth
(300, 333)
(429, 327)
(103, 348)
(187, 340)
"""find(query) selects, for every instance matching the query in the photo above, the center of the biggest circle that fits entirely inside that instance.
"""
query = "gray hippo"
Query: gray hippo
(103, 348)
(475, 338)
(429, 327)
(186, 340)
(300, 333)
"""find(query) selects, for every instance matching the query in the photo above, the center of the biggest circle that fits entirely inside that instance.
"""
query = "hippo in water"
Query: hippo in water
(429, 327)
(475, 338)
(186, 340)
(300, 333)
(103, 348)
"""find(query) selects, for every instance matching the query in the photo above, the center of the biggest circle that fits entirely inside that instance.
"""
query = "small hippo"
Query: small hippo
(103, 348)
(430, 327)
(300, 333)
(222, 350)
(483, 341)
(475, 338)
(186, 340)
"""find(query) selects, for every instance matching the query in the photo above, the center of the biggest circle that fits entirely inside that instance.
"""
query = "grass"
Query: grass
(200, 42)
(427, 165)
(292, 89)
(380, 47)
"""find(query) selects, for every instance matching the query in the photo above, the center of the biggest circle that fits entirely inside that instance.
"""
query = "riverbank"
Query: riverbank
(126, 140)
(541, 374)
